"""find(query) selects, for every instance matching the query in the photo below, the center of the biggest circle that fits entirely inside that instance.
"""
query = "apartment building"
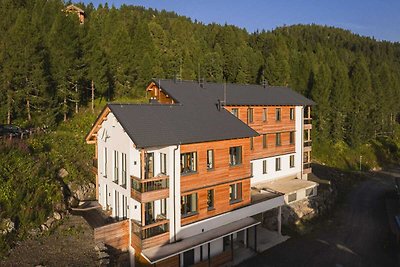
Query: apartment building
(191, 170)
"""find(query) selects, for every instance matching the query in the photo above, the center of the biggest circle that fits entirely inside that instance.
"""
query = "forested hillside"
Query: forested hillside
(48, 62)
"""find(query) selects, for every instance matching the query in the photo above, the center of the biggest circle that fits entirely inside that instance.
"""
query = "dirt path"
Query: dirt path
(71, 244)
(357, 234)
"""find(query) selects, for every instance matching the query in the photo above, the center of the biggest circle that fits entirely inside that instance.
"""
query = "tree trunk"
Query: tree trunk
(65, 108)
(77, 100)
(28, 109)
(92, 96)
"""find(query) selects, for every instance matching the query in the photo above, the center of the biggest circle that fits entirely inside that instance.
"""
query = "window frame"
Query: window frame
(235, 193)
(265, 166)
(189, 210)
(124, 170)
(291, 161)
(116, 167)
(211, 201)
(292, 137)
(264, 140)
(250, 115)
(251, 143)
(190, 169)
(292, 114)
(163, 163)
(105, 162)
(265, 114)
(278, 114)
(235, 112)
(236, 158)
(278, 166)
(212, 159)
(278, 139)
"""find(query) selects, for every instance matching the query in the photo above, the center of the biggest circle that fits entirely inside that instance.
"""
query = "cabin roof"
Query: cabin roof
(152, 125)
(234, 94)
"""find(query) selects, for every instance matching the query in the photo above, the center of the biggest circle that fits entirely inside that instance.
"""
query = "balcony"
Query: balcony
(307, 145)
(307, 167)
(146, 190)
(94, 165)
(155, 234)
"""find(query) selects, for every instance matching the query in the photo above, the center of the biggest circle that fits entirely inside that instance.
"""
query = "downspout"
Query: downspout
(175, 149)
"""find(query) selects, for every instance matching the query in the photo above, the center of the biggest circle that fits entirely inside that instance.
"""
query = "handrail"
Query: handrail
(155, 178)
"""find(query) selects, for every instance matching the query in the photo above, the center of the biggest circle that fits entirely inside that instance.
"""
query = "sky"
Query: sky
(379, 19)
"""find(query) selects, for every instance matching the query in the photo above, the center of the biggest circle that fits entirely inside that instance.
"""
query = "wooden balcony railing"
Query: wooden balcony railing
(151, 230)
(145, 190)
(307, 165)
(307, 143)
(307, 120)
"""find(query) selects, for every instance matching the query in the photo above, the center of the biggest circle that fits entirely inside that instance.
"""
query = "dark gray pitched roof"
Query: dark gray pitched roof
(196, 118)
(151, 125)
(236, 94)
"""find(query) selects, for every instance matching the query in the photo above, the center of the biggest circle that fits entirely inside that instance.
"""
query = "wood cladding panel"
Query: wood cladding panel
(272, 149)
(149, 196)
(221, 201)
(222, 171)
(159, 94)
(157, 240)
(270, 127)
(115, 235)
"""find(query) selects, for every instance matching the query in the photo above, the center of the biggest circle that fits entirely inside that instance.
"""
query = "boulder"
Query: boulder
(62, 173)
(57, 216)
(44, 227)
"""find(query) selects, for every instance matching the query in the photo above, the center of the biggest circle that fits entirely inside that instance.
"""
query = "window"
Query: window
(116, 170)
(123, 183)
(163, 207)
(291, 114)
(278, 114)
(235, 112)
(163, 163)
(210, 159)
(210, 199)
(251, 143)
(188, 162)
(105, 163)
(277, 164)
(278, 139)
(264, 140)
(149, 165)
(291, 161)
(235, 193)
(292, 197)
(291, 138)
(264, 116)
(189, 205)
(235, 155)
(310, 191)
(249, 115)
(264, 166)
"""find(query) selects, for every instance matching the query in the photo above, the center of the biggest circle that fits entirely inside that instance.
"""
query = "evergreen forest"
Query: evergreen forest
(49, 63)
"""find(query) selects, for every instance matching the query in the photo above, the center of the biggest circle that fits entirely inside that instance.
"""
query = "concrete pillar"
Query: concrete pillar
(280, 220)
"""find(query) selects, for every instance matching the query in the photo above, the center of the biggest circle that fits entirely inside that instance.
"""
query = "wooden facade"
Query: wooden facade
(158, 94)
(115, 235)
(264, 122)
(219, 178)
